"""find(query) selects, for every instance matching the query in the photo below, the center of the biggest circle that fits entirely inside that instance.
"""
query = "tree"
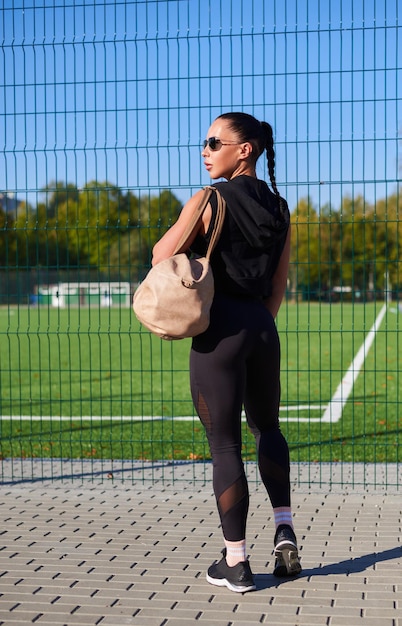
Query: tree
(57, 194)
(133, 250)
(158, 213)
(7, 238)
(31, 247)
(305, 252)
(356, 246)
(388, 239)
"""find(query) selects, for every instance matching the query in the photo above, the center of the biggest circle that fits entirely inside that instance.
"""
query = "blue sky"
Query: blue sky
(125, 91)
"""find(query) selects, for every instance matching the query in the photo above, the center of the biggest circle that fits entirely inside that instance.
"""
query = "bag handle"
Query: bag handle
(218, 225)
(220, 216)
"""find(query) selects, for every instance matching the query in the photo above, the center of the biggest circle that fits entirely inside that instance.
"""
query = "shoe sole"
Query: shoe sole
(223, 582)
(287, 560)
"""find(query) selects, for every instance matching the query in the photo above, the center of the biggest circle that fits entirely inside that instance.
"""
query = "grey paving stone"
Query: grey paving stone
(80, 549)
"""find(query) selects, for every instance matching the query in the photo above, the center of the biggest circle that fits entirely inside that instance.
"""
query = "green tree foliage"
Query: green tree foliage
(26, 241)
(387, 238)
(57, 194)
(358, 246)
(97, 227)
(131, 253)
(100, 228)
(5, 238)
(305, 255)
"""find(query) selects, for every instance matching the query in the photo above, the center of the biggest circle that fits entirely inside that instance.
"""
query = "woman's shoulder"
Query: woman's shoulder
(240, 188)
(245, 184)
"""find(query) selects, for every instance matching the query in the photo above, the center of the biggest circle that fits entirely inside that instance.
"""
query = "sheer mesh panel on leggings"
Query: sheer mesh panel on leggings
(233, 509)
(232, 496)
(203, 413)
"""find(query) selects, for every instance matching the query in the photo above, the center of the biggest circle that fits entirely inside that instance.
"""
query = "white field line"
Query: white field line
(334, 410)
(154, 418)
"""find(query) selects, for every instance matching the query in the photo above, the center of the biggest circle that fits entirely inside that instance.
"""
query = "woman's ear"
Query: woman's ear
(246, 150)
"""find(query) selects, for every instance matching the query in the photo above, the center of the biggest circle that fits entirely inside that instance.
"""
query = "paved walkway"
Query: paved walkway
(91, 547)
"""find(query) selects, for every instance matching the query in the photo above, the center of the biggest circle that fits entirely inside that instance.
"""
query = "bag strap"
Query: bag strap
(220, 216)
(218, 224)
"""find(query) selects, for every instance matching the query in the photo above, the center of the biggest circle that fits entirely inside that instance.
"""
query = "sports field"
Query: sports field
(89, 383)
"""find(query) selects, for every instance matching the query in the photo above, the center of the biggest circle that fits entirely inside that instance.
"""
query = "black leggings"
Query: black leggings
(236, 363)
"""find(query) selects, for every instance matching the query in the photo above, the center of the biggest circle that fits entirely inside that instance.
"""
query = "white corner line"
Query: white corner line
(334, 410)
(141, 418)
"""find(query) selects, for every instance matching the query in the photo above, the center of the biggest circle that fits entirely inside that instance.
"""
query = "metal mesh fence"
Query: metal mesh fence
(104, 105)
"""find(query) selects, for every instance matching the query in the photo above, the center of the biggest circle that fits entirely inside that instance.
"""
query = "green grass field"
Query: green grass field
(73, 379)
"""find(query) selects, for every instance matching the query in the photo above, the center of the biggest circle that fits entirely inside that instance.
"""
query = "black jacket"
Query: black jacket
(252, 240)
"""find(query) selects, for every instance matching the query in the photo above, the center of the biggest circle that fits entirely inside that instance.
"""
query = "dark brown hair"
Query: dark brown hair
(260, 135)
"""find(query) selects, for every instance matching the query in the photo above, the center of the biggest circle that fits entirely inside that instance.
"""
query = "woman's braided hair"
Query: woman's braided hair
(260, 135)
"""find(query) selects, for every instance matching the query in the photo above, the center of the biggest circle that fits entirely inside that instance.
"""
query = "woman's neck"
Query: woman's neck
(244, 169)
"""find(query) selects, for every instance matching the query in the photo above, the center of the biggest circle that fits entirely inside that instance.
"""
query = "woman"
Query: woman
(236, 362)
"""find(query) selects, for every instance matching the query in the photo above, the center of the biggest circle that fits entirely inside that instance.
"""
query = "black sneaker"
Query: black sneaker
(238, 578)
(287, 561)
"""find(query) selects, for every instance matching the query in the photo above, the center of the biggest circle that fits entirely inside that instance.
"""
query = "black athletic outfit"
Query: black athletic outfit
(236, 362)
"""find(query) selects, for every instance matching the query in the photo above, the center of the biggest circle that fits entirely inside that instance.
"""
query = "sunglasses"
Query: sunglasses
(214, 143)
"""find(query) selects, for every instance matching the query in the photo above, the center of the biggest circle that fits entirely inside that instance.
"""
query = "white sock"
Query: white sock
(235, 552)
(283, 515)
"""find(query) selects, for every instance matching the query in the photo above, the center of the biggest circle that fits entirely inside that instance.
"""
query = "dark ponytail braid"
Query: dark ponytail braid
(269, 147)
(260, 135)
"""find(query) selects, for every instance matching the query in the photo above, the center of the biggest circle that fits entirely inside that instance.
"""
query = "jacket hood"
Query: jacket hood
(256, 211)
